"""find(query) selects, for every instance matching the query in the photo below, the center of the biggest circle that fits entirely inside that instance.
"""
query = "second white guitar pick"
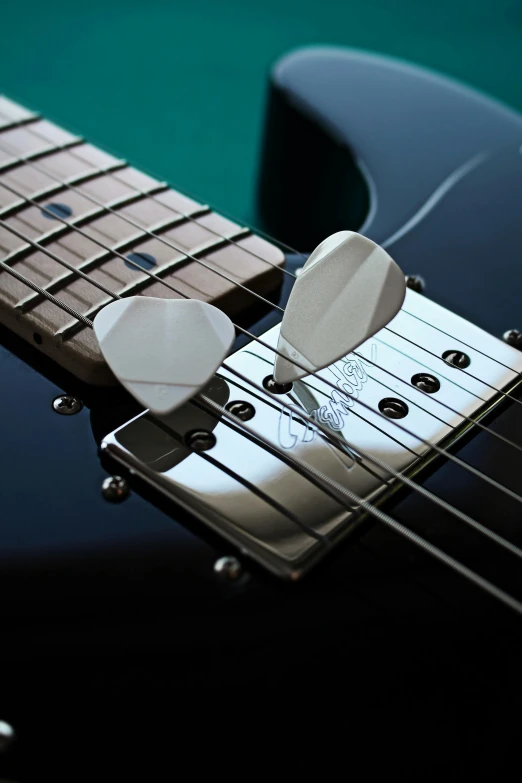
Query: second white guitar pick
(348, 289)
(163, 351)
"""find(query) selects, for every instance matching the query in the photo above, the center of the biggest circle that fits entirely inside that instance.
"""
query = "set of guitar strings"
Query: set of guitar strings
(348, 282)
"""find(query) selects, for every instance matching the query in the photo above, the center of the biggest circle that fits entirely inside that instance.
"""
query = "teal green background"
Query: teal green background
(179, 88)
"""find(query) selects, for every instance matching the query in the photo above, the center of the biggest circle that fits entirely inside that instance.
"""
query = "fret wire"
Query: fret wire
(376, 512)
(409, 534)
(475, 578)
(273, 264)
(273, 305)
(293, 250)
(52, 190)
(16, 161)
(55, 234)
(96, 261)
(50, 297)
(395, 423)
(19, 123)
(342, 442)
(187, 216)
(59, 260)
(186, 253)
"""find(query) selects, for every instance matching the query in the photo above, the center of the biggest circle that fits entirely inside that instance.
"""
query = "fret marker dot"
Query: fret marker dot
(144, 260)
(58, 211)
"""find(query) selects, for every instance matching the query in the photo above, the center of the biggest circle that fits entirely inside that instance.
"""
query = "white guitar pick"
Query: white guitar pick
(163, 351)
(348, 289)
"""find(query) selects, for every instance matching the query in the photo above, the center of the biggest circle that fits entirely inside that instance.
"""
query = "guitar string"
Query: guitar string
(194, 197)
(253, 230)
(106, 248)
(409, 534)
(188, 255)
(189, 218)
(388, 468)
(153, 197)
(144, 194)
(394, 422)
(267, 236)
(317, 478)
(422, 543)
(303, 526)
(370, 508)
(341, 444)
(437, 553)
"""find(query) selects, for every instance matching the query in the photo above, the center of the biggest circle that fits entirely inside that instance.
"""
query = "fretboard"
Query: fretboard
(116, 224)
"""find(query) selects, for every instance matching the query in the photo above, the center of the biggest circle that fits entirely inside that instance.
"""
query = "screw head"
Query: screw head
(7, 735)
(513, 337)
(115, 489)
(228, 568)
(393, 408)
(416, 283)
(426, 382)
(243, 410)
(67, 405)
(457, 359)
(200, 440)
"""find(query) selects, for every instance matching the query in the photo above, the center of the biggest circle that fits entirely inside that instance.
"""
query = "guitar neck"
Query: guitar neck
(79, 228)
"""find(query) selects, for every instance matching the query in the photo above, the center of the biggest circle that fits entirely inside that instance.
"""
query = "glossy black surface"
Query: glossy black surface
(118, 636)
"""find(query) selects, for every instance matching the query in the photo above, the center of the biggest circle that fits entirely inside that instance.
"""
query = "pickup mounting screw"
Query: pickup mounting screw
(7, 735)
(513, 337)
(416, 283)
(243, 410)
(228, 568)
(200, 440)
(67, 405)
(115, 489)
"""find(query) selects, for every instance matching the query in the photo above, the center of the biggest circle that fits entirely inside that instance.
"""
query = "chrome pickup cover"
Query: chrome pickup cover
(262, 504)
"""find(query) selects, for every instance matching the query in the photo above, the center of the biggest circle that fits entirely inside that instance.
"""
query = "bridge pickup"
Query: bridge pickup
(246, 486)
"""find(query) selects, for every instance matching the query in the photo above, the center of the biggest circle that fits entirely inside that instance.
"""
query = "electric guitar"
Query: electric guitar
(347, 546)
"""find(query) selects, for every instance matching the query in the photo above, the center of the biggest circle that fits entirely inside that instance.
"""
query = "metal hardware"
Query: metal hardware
(243, 410)
(115, 489)
(415, 283)
(513, 337)
(228, 568)
(7, 736)
(426, 382)
(276, 388)
(457, 359)
(67, 405)
(393, 408)
(200, 440)
(218, 488)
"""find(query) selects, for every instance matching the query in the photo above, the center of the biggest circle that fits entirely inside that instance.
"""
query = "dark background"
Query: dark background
(178, 88)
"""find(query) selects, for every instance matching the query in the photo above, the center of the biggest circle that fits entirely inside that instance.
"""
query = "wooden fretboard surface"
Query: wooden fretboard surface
(54, 160)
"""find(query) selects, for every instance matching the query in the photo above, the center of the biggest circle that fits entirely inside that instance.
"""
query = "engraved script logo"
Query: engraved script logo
(350, 376)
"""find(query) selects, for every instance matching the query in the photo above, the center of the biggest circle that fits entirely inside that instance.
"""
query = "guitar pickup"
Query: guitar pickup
(420, 382)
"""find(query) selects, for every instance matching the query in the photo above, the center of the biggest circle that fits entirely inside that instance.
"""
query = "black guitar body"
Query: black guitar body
(118, 637)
